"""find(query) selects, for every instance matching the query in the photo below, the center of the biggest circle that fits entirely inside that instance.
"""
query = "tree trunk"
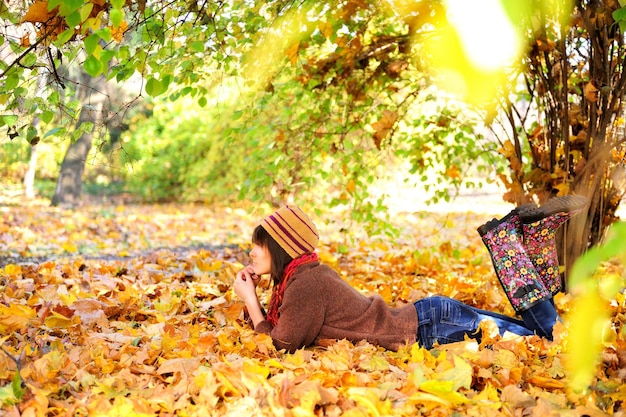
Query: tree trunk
(70, 181)
(29, 177)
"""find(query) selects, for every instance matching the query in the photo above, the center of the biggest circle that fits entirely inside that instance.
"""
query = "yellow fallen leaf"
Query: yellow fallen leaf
(370, 399)
(59, 321)
(11, 270)
(546, 382)
(445, 390)
(69, 247)
(15, 317)
(185, 365)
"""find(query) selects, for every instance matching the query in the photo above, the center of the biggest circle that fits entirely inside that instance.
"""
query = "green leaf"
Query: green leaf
(117, 4)
(69, 6)
(92, 66)
(116, 16)
(17, 386)
(620, 14)
(91, 43)
(197, 46)
(166, 80)
(106, 55)
(202, 101)
(12, 394)
(47, 116)
(73, 19)
(52, 4)
(154, 87)
(31, 133)
(29, 60)
(64, 37)
(56, 131)
(8, 120)
(12, 81)
(104, 33)
(85, 11)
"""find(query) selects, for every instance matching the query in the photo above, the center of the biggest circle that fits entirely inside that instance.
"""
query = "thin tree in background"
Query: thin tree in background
(93, 96)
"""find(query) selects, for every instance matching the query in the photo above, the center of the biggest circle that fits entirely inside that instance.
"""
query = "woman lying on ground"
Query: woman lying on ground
(310, 301)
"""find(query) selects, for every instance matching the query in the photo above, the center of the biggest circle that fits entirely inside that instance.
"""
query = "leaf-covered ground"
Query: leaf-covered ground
(128, 310)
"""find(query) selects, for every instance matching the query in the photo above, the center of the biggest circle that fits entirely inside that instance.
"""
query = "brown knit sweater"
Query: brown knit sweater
(318, 304)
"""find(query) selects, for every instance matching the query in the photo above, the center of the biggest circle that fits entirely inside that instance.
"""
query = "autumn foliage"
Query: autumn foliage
(129, 311)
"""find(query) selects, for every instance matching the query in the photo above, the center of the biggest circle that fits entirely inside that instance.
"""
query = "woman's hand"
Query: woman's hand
(247, 273)
(245, 288)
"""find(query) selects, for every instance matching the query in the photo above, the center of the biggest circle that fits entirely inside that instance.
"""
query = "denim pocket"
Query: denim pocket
(457, 314)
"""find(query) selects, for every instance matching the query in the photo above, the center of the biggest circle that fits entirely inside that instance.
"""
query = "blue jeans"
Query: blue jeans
(445, 320)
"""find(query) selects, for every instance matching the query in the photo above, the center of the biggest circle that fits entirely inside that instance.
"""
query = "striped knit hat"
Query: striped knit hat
(292, 230)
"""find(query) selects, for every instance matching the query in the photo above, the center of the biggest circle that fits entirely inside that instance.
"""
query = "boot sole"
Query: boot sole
(530, 213)
(566, 204)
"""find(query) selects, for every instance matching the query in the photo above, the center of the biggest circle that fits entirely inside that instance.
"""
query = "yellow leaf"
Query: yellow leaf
(453, 172)
(375, 363)
(118, 33)
(292, 52)
(67, 299)
(546, 382)
(589, 321)
(15, 317)
(351, 186)
(225, 387)
(326, 28)
(417, 353)
(562, 187)
(93, 23)
(185, 365)
(50, 364)
(460, 375)
(12, 270)
(256, 368)
(506, 359)
(489, 394)
(386, 293)
(424, 397)
(59, 321)
(209, 266)
(445, 390)
(69, 247)
(369, 398)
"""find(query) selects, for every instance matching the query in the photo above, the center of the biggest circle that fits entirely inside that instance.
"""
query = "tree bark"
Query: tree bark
(29, 177)
(70, 182)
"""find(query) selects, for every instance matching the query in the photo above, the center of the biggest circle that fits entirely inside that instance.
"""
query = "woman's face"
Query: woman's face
(261, 259)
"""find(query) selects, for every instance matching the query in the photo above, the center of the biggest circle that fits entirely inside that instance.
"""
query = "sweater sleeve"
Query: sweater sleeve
(301, 316)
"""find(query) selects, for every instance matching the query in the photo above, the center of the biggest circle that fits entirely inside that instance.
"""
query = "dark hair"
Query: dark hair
(280, 258)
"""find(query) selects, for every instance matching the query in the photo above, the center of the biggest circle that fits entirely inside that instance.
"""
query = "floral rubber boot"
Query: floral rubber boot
(539, 227)
(515, 271)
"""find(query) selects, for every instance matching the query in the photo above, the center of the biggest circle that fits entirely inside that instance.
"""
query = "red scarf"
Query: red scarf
(279, 289)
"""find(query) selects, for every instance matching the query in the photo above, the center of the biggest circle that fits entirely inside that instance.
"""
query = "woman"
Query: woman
(311, 302)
